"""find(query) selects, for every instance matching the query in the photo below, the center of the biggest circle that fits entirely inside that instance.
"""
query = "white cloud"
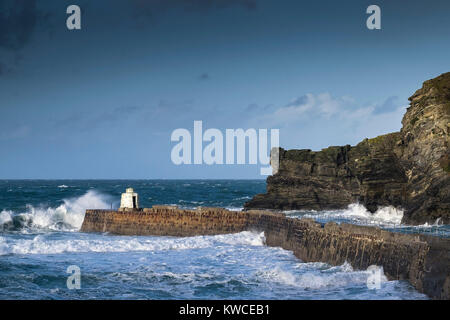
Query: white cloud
(309, 106)
(317, 121)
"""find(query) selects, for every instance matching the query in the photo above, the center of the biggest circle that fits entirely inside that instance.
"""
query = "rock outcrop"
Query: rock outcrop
(409, 169)
(423, 260)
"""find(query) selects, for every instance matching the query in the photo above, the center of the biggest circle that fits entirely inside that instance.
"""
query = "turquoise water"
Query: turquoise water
(39, 240)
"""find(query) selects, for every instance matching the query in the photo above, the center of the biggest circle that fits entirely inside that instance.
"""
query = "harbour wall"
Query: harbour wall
(423, 260)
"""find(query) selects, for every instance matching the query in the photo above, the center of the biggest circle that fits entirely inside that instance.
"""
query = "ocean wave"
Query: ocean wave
(66, 217)
(437, 223)
(323, 276)
(5, 217)
(234, 208)
(44, 244)
(356, 213)
(243, 198)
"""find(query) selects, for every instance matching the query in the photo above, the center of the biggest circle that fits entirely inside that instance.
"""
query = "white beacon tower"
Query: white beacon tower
(129, 200)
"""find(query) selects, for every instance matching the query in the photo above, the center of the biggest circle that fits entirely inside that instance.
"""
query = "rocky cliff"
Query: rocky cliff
(409, 169)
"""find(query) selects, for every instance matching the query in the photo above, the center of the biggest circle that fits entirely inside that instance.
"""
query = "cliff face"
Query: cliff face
(424, 153)
(409, 169)
(423, 260)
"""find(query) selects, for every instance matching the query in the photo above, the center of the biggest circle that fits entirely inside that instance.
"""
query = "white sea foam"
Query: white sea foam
(5, 217)
(357, 213)
(318, 276)
(437, 223)
(243, 198)
(384, 215)
(68, 216)
(43, 244)
(235, 208)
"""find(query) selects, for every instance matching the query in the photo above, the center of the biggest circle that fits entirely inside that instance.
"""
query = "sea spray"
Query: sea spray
(65, 217)
(355, 213)
(47, 244)
(5, 217)
(34, 259)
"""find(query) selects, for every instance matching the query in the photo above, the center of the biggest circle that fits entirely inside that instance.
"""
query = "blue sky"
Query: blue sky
(103, 101)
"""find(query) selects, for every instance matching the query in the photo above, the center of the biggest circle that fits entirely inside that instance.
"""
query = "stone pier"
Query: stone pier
(421, 259)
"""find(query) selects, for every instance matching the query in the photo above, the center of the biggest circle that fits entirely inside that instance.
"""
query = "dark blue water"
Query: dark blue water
(39, 240)
(17, 194)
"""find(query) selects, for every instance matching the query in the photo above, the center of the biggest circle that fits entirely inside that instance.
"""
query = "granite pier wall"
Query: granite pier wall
(421, 259)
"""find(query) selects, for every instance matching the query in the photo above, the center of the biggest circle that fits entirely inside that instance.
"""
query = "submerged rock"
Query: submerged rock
(409, 169)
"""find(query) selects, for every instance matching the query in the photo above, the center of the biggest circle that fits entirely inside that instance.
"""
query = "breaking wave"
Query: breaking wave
(320, 275)
(356, 213)
(45, 244)
(66, 217)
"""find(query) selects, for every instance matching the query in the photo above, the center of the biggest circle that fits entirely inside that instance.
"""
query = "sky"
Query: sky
(103, 101)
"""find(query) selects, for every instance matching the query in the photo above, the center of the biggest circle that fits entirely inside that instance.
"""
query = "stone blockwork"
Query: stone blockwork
(165, 221)
(409, 169)
(423, 260)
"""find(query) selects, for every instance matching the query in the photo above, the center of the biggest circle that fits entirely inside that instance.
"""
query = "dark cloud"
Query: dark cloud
(252, 107)
(298, 101)
(389, 105)
(204, 76)
(18, 19)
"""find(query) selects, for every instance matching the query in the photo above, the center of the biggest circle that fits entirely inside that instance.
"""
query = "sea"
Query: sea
(41, 246)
